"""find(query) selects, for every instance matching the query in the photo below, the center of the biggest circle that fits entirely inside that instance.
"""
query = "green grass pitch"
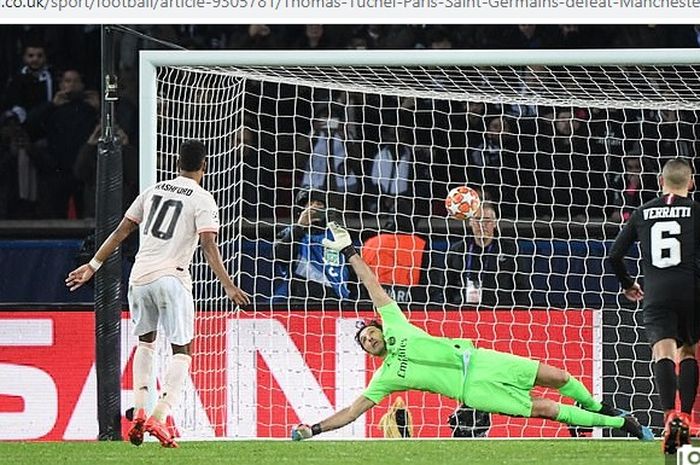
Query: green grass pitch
(316, 452)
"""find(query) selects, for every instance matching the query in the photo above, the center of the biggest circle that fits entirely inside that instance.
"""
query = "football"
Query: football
(462, 202)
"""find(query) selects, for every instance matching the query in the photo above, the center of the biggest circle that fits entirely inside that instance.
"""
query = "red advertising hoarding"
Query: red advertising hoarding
(255, 375)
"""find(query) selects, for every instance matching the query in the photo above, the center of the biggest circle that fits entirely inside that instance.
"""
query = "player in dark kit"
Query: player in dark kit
(668, 230)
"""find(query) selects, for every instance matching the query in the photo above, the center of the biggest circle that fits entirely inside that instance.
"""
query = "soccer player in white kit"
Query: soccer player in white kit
(175, 214)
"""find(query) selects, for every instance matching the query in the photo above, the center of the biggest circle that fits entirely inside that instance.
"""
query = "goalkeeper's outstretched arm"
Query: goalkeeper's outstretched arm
(343, 243)
(335, 421)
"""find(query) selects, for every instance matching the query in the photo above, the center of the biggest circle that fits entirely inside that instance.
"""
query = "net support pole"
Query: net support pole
(108, 280)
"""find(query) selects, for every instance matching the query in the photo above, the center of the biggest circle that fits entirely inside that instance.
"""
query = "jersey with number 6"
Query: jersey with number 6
(171, 214)
(668, 231)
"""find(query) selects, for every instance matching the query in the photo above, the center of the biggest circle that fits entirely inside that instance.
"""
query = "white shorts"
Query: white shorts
(167, 301)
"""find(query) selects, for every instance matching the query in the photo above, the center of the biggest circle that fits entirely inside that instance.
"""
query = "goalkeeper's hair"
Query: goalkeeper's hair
(361, 325)
(192, 154)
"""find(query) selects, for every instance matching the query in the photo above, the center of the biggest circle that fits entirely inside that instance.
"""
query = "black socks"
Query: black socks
(687, 383)
(666, 385)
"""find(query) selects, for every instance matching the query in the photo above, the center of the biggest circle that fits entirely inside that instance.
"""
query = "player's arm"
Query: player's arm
(84, 273)
(623, 242)
(343, 243)
(335, 421)
(210, 248)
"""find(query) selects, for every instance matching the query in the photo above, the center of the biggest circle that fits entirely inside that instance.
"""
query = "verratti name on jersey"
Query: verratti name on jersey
(666, 212)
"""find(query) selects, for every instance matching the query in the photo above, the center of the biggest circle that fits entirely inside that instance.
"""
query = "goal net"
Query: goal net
(563, 145)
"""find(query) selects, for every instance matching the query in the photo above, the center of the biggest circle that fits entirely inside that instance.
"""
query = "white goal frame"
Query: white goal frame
(151, 60)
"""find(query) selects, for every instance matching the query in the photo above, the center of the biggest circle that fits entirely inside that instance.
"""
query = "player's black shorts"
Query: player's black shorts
(676, 321)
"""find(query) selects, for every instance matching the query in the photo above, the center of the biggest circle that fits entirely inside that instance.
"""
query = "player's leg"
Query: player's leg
(663, 354)
(144, 315)
(661, 326)
(688, 333)
(687, 389)
(568, 386)
(688, 330)
(575, 416)
(687, 377)
(175, 376)
(177, 319)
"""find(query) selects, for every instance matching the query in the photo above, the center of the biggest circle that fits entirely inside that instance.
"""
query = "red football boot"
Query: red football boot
(160, 431)
(684, 431)
(672, 432)
(137, 427)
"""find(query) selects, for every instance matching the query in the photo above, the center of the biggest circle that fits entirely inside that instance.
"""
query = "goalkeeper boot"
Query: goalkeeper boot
(611, 411)
(606, 409)
(636, 429)
(137, 427)
(160, 431)
(672, 432)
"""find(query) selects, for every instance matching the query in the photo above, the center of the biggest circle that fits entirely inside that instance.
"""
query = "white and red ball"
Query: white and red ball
(462, 202)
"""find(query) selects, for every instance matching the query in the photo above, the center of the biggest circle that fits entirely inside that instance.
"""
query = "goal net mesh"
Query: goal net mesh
(563, 153)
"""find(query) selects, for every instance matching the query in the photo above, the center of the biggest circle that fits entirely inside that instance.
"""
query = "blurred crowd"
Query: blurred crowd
(50, 111)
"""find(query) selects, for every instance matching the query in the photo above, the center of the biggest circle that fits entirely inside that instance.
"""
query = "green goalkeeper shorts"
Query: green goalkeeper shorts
(498, 382)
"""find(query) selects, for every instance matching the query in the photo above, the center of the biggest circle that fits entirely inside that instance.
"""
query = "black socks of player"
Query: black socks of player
(665, 377)
(687, 383)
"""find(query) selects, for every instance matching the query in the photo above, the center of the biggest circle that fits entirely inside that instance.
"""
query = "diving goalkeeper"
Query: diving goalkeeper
(483, 379)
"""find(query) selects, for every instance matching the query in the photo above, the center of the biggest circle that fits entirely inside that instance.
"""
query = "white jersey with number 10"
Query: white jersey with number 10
(172, 215)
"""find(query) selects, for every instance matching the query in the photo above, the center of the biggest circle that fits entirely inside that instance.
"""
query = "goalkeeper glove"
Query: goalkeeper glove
(341, 241)
(303, 431)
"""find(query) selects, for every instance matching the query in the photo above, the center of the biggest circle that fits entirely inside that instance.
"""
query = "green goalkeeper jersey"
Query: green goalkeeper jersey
(417, 360)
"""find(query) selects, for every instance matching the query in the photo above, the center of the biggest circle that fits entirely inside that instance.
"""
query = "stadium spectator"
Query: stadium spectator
(392, 177)
(357, 43)
(315, 37)
(482, 268)
(160, 285)
(628, 191)
(578, 172)
(572, 36)
(668, 235)
(303, 270)
(257, 37)
(495, 381)
(493, 164)
(31, 88)
(530, 83)
(34, 83)
(522, 36)
(85, 169)
(439, 38)
(68, 120)
(18, 176)
(332, 164)
(485, 160)
(668, 133)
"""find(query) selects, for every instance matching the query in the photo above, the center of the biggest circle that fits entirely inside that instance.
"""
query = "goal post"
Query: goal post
(563, 142)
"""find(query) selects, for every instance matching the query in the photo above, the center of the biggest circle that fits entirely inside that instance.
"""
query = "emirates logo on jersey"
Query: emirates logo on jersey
(403, 358)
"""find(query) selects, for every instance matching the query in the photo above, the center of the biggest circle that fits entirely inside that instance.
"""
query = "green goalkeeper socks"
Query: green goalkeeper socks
(574, 389)
(578, 417)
